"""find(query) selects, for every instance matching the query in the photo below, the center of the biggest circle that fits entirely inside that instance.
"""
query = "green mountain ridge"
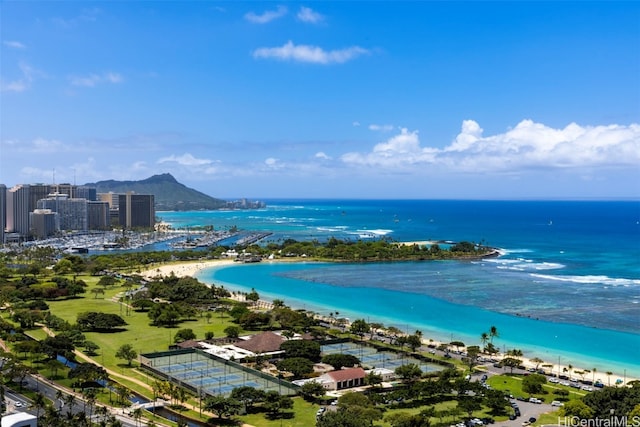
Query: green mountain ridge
(169, 194)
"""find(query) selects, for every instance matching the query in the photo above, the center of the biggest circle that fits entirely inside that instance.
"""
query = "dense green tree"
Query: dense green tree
(373, 379)
(311, 390)
(533, 383)
(621, 399)
(414, 342)
(339, 360)
(232, 331)
(274, 403)
(252, 296)
(88, 373)
(184, 335)
(404, 419)
(98, 321)
(409, 372)
(577, 408)
(222, 406)
(126, 352)
(301, 348)
(249, 396)
(342, 418)
(471, 359)
(360, 328)
(469, 404)
(237, 311)
(254, 320)
(163, 314)
(298, 366)
(511, 362)
(58, 345)
(494, 399)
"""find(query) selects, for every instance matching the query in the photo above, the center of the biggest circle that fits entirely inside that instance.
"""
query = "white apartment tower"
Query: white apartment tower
(3, 211)
(18, 210)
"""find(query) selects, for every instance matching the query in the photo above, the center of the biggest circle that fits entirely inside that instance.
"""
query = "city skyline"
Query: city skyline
(501, 100)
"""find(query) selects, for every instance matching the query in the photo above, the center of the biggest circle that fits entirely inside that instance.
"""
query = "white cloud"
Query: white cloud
(92, 80)
(28, 75)
(529, 145)
(266, 16)
(185, 160)
(273, 163)
(47, 145)
(322, 155)
(306, 14)
(14, 44)
(380, 128)
(307, 53)
(87, 15)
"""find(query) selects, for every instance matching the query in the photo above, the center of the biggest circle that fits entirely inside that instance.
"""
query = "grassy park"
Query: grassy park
(144, 337)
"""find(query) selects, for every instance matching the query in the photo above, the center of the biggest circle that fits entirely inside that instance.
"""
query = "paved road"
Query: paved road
(45, 387)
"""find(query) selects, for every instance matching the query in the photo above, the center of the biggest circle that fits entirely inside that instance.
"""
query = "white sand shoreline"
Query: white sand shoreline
(184, 269)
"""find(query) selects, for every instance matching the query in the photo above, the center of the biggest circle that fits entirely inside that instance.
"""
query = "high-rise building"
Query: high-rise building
(37, 192)
(3, 211)
(98, 216)
(72, 213)
(89, 193)
(111, 198)
(68, 189)
(18, 210)
(137, 210)
(44, 223)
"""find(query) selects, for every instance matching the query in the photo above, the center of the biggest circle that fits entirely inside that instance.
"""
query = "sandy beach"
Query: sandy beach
(185, 269)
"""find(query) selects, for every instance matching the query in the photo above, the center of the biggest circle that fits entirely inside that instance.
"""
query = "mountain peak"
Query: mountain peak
(169, 194)
(161, 178)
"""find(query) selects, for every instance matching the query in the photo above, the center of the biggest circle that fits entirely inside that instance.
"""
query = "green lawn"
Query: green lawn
(139, 333)
(305, 416)
(513, 385)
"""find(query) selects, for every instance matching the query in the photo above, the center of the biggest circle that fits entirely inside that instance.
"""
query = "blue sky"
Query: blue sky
(358, 99)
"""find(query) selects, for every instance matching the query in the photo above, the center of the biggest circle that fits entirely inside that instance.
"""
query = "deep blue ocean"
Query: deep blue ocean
(567, 286)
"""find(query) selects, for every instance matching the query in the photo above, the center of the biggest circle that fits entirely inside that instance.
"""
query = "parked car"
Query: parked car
(557, 403)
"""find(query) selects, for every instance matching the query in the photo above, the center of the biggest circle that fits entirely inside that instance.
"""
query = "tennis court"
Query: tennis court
(371, 358)
(200, 371)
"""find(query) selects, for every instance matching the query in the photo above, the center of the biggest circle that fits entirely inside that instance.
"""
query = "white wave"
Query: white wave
(605, 280)
(376, 232)
(332, 229)
(370, 234)
(522, 264)
(513, 251)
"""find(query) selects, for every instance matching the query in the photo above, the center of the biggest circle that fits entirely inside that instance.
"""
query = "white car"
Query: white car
(18, 404)
(557, 403)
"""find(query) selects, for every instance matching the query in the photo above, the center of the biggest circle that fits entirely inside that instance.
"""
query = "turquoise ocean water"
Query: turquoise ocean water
(567, 286)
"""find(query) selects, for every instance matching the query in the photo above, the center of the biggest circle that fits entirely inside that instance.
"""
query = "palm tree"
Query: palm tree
(39, 403)
(90, 396)
(484, 339)
(69, 400)
(493, 333)
(137, 415)
(537, 361)
(123, 393)
(609, 373)
(60, 396)
(102, 411)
